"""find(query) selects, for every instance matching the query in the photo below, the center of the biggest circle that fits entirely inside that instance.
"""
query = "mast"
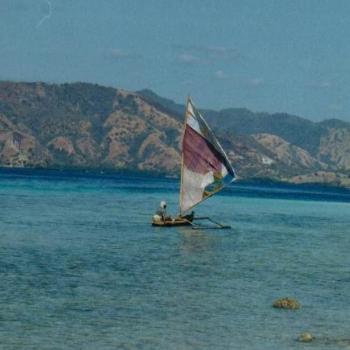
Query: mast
(182, 154)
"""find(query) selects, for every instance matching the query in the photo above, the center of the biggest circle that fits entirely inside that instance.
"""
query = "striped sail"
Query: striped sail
(205, 166)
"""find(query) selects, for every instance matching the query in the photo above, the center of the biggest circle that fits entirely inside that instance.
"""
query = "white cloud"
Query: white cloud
(219, 74)
(220, 52)
(188, 58)
(206, 54)
(324, 84)
(256, 82)
(119, 54)
(187, 82)
(47, 16)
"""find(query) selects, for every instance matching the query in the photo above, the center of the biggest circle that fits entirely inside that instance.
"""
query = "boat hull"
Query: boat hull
(172, 222)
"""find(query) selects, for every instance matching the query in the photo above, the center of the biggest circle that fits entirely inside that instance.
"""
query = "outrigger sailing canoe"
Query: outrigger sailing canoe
(205, 168)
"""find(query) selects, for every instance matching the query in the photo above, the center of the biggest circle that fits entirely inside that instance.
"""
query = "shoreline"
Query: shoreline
(109, 173)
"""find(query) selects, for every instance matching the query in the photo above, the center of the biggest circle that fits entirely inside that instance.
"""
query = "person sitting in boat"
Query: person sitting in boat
(161, 214)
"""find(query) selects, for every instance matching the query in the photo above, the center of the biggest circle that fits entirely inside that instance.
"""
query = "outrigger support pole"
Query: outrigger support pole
(200, 227)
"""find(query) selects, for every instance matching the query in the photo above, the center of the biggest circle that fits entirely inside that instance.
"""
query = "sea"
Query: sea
(81, 267)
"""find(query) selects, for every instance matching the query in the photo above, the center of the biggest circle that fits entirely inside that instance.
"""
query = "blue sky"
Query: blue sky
(275, 56)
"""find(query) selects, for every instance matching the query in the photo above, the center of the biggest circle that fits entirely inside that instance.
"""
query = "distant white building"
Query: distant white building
(266, 160)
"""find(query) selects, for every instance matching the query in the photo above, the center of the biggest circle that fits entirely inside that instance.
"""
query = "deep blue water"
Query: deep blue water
(81, 267)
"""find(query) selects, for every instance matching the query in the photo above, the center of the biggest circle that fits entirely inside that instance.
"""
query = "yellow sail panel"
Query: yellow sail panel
(205, 167)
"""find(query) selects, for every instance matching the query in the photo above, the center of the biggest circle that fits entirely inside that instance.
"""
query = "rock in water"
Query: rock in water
(306, 337)
(286, 303)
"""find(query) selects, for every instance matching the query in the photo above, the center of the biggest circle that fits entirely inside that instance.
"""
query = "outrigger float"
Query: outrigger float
(205, 170)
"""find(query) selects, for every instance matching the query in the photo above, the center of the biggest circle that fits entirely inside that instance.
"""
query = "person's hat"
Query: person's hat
(163, 204)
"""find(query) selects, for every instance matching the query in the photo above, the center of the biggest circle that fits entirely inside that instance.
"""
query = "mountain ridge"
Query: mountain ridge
(289, 126)
(90, 126)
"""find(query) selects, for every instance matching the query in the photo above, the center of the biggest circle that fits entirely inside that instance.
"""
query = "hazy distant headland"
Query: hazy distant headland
(89, 126)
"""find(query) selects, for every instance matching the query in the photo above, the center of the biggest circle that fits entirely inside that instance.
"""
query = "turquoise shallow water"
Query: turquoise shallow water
(81, 267)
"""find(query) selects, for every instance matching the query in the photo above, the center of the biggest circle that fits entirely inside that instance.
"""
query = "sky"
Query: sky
(288, 56)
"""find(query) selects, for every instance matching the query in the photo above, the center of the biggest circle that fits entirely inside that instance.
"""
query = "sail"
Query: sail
(205, 167)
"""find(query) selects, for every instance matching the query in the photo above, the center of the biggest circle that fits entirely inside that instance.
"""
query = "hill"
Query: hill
(90, 126)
